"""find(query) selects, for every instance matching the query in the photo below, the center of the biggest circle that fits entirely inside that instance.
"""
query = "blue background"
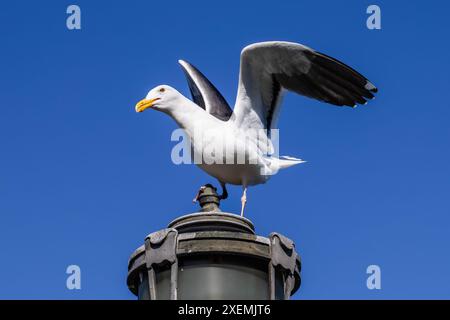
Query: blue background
(83, 178)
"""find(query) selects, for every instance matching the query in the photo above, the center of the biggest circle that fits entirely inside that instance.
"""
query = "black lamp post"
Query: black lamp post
(213, 255)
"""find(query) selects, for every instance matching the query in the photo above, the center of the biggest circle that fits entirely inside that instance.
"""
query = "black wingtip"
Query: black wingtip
(370, 86)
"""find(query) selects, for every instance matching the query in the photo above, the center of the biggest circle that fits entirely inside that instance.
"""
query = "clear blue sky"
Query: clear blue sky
(83, 178)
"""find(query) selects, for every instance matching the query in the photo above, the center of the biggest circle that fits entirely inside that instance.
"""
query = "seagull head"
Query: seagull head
(159, 98)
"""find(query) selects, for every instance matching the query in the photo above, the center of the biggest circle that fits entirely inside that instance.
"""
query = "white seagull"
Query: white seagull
(267, 70)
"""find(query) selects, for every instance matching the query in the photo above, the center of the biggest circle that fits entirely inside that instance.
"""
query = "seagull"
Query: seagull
(267, 71)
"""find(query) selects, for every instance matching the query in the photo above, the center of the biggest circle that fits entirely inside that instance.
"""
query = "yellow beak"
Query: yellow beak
(145, 104)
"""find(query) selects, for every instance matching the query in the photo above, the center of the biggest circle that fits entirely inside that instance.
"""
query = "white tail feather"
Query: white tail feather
(283, 162)
(287, 161)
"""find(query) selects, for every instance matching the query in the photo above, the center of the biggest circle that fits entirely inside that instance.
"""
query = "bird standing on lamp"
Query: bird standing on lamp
(267, 70)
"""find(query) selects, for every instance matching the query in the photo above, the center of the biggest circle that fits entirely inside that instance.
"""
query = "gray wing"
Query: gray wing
(204, 93)
(269, 67)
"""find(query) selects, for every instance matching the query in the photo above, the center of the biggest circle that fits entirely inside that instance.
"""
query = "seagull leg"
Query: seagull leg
(224, 194)
(243, 201)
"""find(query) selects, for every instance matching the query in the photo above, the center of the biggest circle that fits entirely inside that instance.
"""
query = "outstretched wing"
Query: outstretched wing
(269, 67)
(204, 93)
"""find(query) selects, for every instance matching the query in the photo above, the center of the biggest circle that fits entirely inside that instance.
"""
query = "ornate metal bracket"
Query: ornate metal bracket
(283, 257)
(160, 249)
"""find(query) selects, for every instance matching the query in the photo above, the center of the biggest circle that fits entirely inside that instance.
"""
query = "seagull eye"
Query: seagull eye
(162, 90)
